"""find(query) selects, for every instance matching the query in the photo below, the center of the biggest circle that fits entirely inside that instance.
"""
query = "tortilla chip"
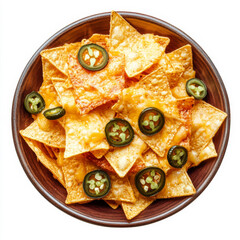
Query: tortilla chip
(195, 158)
(73, 48)
(156, 85)
(183, 135)
(206, 120)
(49, 70)
(173, 71)
(126, 194)
(208, 152)
(141, 51)
(178, 184)
(84, 133)
(130, 105)
(131, 210)
(49, 163)
(182, 56)
(152, 159)
(99, 38)
(99, 153)
(74, 171)
(112, 204)
(123, 158)
(57, 57)
(92, 89)
(53, 135)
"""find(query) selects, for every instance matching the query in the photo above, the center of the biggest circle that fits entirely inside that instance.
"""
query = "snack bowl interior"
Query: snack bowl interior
(98, 212)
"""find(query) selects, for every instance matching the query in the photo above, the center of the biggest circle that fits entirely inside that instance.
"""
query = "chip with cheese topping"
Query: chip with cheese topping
(57, 57)
(51, 134)
(131, 210)
(122, 159)
(84, 133)
(178, 184)
(182, 56)
(141, 51)
(76, 168)
(206, 120)
(92, 89)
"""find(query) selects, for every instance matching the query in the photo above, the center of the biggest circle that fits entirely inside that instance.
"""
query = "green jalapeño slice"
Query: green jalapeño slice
(54, 113)
(149, 181)
(34, 103)
(92, 57)
(119, 132)
(96, 184)
(177, 156)
(151, 121)
(196, 88)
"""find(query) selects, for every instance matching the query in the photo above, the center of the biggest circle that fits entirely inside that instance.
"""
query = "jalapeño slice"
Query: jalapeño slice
(177, 156)
(96, 184)
(34, 103)
(92, 57)
(151, 121)
(149, 181)
(196, 88)
(119, 132)
(54, 113)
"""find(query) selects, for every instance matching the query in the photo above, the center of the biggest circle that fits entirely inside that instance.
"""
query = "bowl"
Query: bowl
(98, 212)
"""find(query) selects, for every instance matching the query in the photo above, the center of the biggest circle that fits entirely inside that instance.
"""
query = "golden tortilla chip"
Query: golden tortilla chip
(152, 159)
(182, 56)
(123, 158)
(141, 51)
(125, 194)
(99, 38)
(50, 71)
(49, 163)
(47, 89)
(183, 135)
(53, 135)
(92, 89)
(131, 210)
(173, 71)
(75, 169)
(178, 184)
(84, 133)
(57, 57)
(73, 48)
(206, 120)
(156, 85)
(208, 152)
(112, 204)
(132, 102)
(99, 153)
(196, 157)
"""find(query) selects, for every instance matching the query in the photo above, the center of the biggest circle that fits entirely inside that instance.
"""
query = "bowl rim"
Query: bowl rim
(72, 212)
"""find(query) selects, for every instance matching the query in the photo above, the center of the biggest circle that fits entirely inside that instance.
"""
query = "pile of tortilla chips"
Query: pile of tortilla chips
(139, 74)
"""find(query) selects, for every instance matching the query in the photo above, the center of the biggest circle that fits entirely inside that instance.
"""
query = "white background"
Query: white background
(24, 26)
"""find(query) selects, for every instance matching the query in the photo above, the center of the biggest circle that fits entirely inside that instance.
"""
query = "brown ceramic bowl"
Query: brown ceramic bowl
(99, 212)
